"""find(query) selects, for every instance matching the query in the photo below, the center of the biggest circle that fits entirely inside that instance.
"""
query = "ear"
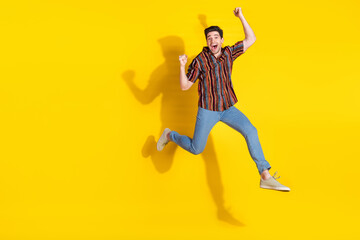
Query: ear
(222, 40)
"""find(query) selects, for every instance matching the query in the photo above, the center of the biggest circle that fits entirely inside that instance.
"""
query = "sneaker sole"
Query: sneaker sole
(159, 146)
(277, 189)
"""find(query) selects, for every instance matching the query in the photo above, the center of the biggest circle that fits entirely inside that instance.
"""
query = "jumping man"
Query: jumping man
(213, 67)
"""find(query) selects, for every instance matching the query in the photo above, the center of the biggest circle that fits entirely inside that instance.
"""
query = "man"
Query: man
(213, 67)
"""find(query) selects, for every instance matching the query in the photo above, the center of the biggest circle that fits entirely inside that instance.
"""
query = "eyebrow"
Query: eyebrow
(215, 35)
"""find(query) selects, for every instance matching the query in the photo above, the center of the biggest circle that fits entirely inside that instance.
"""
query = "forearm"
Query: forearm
(185, 84)
(249, 33)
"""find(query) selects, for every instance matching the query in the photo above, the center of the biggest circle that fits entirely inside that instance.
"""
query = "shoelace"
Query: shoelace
(275, 175)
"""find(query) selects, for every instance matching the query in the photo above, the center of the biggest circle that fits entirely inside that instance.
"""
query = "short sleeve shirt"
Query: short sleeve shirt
(215, 87)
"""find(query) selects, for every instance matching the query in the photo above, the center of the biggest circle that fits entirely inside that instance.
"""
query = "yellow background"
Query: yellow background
(88, 86)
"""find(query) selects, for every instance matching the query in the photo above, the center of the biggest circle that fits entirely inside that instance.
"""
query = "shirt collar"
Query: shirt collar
(207, 51)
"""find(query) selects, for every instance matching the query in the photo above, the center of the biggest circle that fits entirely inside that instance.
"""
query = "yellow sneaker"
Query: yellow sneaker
(163, 140)
(271, 183)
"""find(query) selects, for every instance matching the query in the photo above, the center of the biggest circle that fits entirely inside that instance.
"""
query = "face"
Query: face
(214, 42)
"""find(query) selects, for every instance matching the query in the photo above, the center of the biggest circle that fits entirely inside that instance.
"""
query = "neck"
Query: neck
(218, 54)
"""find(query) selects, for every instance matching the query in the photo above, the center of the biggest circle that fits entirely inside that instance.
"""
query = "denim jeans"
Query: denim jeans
(207, 119)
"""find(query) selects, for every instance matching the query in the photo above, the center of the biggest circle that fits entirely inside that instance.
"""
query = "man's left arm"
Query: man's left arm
(249, 33)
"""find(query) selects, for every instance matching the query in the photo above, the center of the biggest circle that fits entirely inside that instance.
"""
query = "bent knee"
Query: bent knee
(197, 151)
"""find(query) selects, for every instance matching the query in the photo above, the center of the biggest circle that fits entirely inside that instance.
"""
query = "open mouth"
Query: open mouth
(214, 47)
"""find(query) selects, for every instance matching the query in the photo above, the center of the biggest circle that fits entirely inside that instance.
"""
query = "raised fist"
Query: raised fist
(237, 12)
(183, 60)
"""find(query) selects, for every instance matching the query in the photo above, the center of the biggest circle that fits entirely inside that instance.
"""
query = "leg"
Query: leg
(205, 121)
(238, 121)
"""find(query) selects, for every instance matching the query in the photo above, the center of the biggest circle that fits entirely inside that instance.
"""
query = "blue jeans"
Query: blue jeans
(207, 119)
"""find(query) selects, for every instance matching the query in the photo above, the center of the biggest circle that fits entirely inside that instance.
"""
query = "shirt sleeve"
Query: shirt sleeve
(237, 49)
(193, 71)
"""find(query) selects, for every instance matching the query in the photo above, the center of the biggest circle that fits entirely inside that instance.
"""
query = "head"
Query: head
(214, 39)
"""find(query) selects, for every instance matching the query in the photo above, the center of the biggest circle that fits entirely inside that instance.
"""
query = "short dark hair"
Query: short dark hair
(212, 29)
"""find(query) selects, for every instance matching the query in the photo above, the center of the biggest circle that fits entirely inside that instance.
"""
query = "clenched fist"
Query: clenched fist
(237, 12)
(183, 60)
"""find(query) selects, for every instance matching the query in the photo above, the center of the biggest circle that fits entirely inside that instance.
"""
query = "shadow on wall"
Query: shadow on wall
(178, 112)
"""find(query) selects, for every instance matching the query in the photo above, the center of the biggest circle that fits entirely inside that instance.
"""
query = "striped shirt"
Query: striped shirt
(215, 88)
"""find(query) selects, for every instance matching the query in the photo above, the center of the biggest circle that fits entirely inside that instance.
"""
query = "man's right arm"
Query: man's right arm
(185, 84)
